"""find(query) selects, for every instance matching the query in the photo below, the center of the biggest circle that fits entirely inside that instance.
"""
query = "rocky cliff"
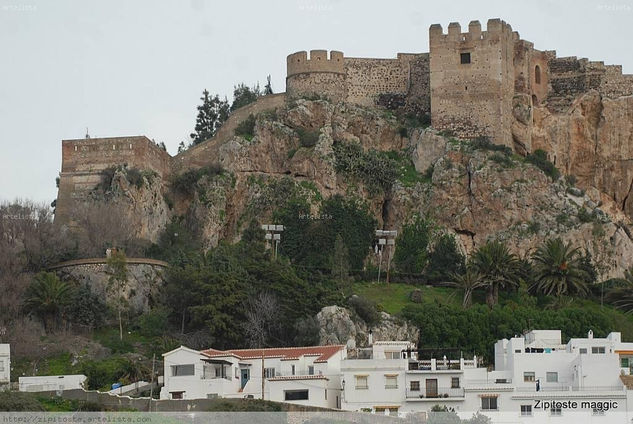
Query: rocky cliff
(476, 192)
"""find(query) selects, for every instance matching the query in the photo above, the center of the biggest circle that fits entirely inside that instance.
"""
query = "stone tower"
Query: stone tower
(318, 75)
(472, 80)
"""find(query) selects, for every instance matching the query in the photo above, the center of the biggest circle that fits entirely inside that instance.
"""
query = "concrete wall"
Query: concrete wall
(51, 382)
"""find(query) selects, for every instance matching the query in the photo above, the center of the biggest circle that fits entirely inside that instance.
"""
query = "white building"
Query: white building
(587, 377)
(5, 366)
(301, 375)
(51, 383)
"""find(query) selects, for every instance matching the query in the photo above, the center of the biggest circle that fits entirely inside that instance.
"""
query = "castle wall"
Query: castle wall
(571, 77)
(419, 95)
(473, 99)
(366, 79)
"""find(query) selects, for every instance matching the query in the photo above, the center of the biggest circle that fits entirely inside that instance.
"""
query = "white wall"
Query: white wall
(5, 364)
(51, 382)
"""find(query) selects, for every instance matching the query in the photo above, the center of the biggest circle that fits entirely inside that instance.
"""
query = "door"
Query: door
(431, 387)
(245, 376)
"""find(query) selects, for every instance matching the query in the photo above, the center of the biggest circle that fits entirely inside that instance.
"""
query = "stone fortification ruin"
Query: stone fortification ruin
(482, 82)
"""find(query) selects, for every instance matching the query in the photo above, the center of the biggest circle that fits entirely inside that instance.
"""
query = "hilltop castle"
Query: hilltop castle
(477, 83)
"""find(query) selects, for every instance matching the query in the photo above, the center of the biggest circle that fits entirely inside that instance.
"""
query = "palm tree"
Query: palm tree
(468, 282)
(498, 267)
(558, 269)
(46, 297)
(621, 296)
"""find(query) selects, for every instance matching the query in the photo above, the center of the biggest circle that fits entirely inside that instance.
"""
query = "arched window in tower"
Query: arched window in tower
(537, 74)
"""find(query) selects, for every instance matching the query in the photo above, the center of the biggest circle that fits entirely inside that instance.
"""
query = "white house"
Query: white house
(301, 375)
(51, 383)
(535, 376)
(5, 366)
(397, 378)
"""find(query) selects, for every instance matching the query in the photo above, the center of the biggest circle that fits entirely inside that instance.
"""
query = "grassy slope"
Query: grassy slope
(394, 297)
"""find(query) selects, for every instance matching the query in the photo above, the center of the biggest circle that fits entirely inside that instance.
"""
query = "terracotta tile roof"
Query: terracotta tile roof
(285, 353)
(299, 377)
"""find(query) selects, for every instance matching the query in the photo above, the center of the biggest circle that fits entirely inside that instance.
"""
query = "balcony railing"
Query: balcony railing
(440, 365)
(440, 393)
(488, 382)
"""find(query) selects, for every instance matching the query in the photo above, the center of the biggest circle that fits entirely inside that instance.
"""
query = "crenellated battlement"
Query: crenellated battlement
(494, 29)
(318, 61)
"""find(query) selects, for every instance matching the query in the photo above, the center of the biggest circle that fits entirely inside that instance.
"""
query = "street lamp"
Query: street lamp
(273, 235)
(386, 240)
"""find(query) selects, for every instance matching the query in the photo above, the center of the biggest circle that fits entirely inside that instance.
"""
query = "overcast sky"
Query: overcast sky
(123, 67)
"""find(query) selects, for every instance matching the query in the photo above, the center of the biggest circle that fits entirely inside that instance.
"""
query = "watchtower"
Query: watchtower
(472, 80)
(317, 75)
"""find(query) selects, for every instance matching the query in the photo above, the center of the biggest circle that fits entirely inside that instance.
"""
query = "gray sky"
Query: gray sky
(138, 67)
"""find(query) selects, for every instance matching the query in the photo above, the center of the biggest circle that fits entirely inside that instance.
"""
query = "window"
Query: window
(537, 74)
(415, 386)
(392, 355)
(269, 372)
(464, 58)
(182, 370)
(1, 366)
(310, 369)
(551, 377)
(517, 350)
(292, 369)
(454, 382)
(391, 382)
(295, 394)
(583, 351)
(597, 349)
(177, 395)
(555, 412)
(361, 382)
(212, 396)
(529, 376)
(489, 403)
(526, 410)
(624, 363)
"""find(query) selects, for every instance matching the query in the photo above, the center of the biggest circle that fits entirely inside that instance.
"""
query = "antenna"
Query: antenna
(87, 134)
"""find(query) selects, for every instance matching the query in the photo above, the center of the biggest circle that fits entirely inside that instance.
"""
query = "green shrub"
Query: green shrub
(585, 216)
(185, 183)
(484, 143)
(104, 372)
(106, 178)
(376, 170)
(308, 138)
(154, 322)
(365, 309)
(503, 160)
(246, 128)
(539, 159)
(19, 402)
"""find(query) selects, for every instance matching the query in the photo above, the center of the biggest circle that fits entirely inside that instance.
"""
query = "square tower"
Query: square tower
(472, 80)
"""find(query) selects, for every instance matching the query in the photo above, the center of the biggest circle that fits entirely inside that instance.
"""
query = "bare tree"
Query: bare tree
(102, 225)
(263, 321)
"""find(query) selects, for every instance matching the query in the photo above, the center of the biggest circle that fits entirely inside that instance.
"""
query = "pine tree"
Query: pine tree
(211, 115)
(244, 95)
(340, 260)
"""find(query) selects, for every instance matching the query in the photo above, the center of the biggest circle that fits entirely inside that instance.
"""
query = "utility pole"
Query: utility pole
(386, 238)
(263, 376)
(273, 234)
(151, 384)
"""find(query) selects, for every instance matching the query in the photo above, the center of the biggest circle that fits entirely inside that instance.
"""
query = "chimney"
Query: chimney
(370, 338)
(590, 334)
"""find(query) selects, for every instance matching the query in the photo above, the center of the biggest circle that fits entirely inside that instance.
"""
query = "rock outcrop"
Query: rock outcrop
(340, 326)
